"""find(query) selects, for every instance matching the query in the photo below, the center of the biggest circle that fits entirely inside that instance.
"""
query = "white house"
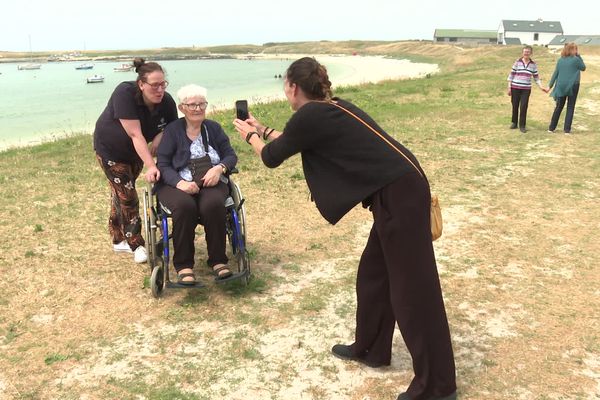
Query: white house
(528, 32)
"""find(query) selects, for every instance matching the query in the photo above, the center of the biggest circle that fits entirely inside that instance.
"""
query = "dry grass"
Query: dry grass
(518, 263)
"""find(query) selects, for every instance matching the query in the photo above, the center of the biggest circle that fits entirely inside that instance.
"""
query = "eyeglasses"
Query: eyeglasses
(196, 106)
(155, 86)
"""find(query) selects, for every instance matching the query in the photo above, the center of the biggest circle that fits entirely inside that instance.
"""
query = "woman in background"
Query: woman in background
(136, 114)
(519, 87)
(565, 81)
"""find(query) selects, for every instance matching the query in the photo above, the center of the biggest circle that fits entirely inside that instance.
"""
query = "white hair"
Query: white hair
(189, 91)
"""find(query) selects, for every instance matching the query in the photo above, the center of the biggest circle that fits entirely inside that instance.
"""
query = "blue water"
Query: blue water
(55, 100)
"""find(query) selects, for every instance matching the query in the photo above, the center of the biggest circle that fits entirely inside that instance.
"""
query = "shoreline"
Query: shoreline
(360, 70)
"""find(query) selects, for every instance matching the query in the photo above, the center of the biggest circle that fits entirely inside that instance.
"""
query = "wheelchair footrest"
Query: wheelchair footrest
(233, 277)
(175, 285)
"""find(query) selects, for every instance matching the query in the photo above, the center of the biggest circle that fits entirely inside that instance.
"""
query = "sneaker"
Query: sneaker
(122, 247)
(523, 130)
(139, 255)
(513, 126)
(567, 132)
(549, 131)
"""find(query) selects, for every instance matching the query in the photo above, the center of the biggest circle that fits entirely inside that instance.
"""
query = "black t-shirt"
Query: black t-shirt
(111, 141)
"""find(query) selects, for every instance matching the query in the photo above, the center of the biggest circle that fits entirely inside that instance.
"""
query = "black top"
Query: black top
(174, 149)
(344, 162)
(111, 141)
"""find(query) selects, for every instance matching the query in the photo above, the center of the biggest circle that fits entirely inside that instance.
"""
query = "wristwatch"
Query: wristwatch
(224, 168)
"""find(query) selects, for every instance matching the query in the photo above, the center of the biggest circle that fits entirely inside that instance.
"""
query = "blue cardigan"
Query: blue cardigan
(174, 149)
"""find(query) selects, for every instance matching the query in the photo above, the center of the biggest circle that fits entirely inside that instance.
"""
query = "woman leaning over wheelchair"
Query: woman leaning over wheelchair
(194, 199)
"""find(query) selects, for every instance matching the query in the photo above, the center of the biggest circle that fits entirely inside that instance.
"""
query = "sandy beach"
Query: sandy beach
(362, 69)
(366, 69)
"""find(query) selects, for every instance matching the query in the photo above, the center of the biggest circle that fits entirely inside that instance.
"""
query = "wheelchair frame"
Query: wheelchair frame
(156, 218)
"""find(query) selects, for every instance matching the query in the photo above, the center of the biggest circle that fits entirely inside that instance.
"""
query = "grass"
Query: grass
(518, 259)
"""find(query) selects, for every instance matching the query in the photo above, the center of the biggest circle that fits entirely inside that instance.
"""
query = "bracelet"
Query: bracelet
(249, 136)
(269, 134)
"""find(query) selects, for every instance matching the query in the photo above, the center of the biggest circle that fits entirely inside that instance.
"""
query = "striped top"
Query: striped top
(521, 74)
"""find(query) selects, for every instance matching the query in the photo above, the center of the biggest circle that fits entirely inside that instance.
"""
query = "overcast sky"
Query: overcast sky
(127, 24)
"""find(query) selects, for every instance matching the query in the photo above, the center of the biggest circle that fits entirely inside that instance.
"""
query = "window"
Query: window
(536, 36)
(453, 39)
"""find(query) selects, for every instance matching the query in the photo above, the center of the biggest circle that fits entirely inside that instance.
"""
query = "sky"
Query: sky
(64, 25)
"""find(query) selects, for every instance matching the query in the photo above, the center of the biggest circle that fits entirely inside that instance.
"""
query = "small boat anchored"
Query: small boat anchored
(28, 66)
(123, 68)
(95, 79)
(85, 66)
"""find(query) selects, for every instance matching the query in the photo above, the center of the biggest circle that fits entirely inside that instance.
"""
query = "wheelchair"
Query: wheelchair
(156, 228)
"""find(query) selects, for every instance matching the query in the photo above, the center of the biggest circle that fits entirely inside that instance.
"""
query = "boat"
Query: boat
(85, 66)
(30, 65)
(95, 79)
(123, 68)
(27, 66)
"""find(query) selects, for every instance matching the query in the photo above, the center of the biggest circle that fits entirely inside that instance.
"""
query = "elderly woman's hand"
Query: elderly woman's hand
(212, 176)
(188, 187)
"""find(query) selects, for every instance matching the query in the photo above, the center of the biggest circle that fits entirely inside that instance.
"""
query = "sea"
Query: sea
(56, 100)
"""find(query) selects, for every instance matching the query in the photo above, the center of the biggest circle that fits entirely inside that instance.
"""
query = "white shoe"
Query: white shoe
(122, 247)
(139, 255)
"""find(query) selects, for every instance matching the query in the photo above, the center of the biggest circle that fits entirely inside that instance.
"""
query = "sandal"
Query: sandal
(182, 281)
(221, 271)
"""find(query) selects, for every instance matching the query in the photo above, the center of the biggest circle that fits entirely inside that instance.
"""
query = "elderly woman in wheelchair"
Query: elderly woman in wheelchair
(194, 159)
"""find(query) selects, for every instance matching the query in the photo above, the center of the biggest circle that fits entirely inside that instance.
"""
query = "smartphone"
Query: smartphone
(241, 110)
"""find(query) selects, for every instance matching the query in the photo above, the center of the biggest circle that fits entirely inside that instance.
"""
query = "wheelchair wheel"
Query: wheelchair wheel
(157, 281)
(236, 232)
(153, 248)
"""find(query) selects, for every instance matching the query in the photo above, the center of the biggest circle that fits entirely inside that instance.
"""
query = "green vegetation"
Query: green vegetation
(518, 260)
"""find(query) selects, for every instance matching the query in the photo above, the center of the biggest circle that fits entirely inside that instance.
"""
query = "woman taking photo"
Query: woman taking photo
(348, 159)
(565, 80)
(136, 114)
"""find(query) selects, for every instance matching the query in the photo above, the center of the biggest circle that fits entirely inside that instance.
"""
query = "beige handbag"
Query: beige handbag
(435, 209)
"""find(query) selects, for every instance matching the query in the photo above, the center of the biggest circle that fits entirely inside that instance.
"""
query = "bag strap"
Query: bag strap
(378, 134)
(204, 133)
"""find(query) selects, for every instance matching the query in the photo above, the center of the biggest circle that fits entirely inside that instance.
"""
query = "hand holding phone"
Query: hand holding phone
(241, 110)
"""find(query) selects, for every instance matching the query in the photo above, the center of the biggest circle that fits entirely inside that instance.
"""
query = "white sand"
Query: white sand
(365, 69)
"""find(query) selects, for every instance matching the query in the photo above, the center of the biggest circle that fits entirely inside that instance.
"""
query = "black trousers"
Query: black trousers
(398, 282)
(520, 101)
(560, 103)
(206, 207)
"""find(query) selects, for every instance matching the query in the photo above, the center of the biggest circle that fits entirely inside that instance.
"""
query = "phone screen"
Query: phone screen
(241, 109)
